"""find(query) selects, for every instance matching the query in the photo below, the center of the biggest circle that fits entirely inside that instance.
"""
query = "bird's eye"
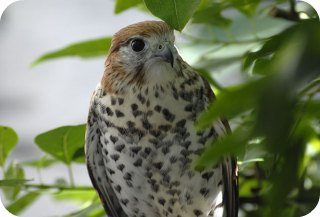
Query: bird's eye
(137, 45)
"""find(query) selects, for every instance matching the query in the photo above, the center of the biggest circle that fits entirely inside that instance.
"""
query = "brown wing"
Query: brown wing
(97, 169)
(229, 170)
(230, 183)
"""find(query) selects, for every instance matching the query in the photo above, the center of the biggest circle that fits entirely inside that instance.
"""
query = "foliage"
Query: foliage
(8, 140)
(273, 105)
(176, 13)
(63, 143)
(86, 49)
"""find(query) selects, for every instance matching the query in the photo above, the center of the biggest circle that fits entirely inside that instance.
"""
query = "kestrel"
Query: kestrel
(141, 139)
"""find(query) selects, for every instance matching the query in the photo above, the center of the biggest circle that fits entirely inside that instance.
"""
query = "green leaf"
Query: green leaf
(8, 140)
(85, 49)
(247, 186)
(61, 182)
(206, 75)
(232, 102)
(99, 212)
(94, 209)
(43, 162)
(262, 66)
(230, 144)
(63, 142)
(14, 172)
(308, 200)
(78, 196)
(247, 7)
(175, 12)
(311, 109)
(79, 156)
(296, 48)
(268, 48)
(254, 150)
(22, 203)
(122, 5)
(211, 15)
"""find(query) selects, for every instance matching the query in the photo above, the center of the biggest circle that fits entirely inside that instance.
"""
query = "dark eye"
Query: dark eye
(137, 45)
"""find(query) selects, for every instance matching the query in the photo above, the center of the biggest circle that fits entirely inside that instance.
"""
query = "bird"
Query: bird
(141, 139)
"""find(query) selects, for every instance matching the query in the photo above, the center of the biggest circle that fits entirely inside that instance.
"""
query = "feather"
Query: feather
(139, 96)
(98, 175)
(229, 171)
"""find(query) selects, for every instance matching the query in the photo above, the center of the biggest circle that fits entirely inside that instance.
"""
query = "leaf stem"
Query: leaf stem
(309, 87)
(59, 187)
(39, 175)
(71, 177)
(293, 6)
(93, 204)
(291, 15)
(66, 155)
(300, 117)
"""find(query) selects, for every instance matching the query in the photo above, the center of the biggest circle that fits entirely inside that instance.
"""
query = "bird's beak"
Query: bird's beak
(166, 54)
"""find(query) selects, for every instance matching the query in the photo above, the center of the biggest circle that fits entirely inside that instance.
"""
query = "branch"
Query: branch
(312, 85)
(59, 187)
(291, 15)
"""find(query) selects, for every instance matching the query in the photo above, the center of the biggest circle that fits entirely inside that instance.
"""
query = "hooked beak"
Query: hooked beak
(166, 54)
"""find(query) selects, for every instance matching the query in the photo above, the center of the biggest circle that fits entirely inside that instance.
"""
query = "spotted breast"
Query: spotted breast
(141, 140)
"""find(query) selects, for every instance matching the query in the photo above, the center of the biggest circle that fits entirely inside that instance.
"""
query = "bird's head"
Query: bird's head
(141, 53)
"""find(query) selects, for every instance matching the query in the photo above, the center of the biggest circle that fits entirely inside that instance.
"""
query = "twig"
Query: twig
(59, 187)
(291, 15)
(309, 87)
(70, 172)
(293, 7)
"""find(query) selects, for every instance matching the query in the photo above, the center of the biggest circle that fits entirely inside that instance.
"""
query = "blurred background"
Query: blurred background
(55, 93)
